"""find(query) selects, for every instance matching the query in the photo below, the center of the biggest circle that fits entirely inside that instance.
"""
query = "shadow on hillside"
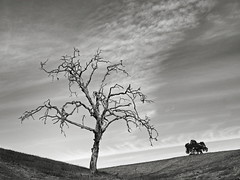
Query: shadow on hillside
(15, 165)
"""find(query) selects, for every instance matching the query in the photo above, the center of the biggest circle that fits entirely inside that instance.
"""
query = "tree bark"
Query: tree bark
(95, 151)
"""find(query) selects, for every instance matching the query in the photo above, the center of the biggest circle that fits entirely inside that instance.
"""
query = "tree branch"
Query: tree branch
(60, 115)
(124, 108)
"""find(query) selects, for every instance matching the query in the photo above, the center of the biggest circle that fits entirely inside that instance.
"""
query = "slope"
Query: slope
(15, 165)
(218, 165)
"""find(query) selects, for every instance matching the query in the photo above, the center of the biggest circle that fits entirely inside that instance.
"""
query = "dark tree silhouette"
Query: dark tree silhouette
(108, 104)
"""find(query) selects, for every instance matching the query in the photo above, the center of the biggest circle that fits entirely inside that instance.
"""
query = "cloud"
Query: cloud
(221, 26)
(140, 29)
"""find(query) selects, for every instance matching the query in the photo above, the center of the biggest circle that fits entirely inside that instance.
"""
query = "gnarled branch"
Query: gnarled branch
(57, 115)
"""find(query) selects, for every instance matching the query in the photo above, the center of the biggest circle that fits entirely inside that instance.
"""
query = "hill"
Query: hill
(218, 165)
(15, 165)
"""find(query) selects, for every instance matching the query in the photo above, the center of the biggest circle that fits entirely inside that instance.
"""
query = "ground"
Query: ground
(217, 165)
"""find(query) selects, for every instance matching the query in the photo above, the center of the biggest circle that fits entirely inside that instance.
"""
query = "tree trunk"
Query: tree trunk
(95, 151)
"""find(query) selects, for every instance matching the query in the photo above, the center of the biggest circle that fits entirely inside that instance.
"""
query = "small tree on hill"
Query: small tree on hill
(107, 104)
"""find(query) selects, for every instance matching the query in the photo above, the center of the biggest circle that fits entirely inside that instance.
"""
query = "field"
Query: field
(219, 165)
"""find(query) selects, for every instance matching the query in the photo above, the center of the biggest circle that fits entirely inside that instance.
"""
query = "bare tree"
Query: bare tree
(108, 104)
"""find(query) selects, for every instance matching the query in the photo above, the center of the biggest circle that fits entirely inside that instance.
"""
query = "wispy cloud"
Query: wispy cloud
(138, 30)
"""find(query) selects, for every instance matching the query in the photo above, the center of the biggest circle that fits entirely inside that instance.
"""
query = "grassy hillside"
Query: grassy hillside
(15, 165)
(218, 165)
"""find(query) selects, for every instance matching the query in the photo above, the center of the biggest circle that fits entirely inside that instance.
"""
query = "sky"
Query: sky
(184, 55)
